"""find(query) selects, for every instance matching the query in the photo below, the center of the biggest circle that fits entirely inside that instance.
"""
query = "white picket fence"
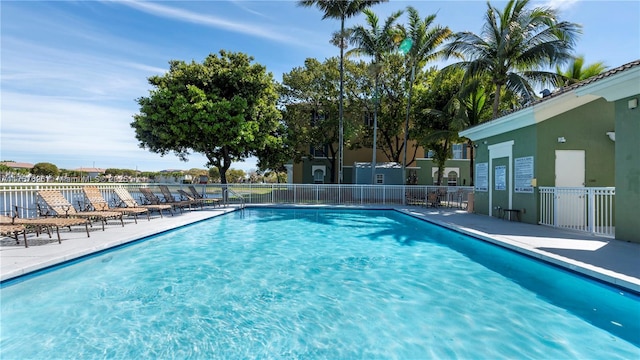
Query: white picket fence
(589, 209)
(22, 197)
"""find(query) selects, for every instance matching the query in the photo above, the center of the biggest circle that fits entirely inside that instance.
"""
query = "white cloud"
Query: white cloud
(212, 21)
(560, 4)
(73, 134)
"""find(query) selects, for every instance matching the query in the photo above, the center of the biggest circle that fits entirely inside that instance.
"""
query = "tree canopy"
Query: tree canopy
(515, 45)
(223, 108)
(45, 168)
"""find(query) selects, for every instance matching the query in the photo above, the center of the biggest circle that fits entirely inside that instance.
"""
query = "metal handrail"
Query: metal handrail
(228, 191)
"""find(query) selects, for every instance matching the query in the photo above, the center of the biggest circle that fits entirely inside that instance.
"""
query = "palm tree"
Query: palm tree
(577, 71)
(473, 99)
(515, 44)
(374, 41)
(425, 42)
(340, 9)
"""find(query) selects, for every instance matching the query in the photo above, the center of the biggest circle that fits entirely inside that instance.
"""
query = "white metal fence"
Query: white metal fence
(22, 197)
(589, 209)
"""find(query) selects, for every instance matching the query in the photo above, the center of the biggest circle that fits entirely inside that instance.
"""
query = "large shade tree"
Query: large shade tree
(515, 47)
(223, 108)
(342, 10)
(308, 96)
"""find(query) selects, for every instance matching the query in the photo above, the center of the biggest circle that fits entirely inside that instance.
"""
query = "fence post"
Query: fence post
(592, 213)
(555, 208)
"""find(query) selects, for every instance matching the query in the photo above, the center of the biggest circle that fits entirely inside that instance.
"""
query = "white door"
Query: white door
(570, 172)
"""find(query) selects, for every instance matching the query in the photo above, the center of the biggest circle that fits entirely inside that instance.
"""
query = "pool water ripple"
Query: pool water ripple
(293, 284)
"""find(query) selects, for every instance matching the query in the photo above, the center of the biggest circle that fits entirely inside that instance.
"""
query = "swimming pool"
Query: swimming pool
(315, 284)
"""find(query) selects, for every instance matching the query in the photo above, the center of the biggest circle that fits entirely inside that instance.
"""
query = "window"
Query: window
(319, 151)
(368, 119)
(379, 179)
(317, 117)
(452, 179)
(430, 154)
(457, 151)
(318, 177)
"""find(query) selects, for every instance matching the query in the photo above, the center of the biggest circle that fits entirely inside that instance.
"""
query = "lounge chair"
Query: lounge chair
(53, 203)
(98, 203)
(13, 230)
(205, 200)
(127, 200)
(151, 198)
(188, 197)
(413, 199)
(170, 199)
(45, 223)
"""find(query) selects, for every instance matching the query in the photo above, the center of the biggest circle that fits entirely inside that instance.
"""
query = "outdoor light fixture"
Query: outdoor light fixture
(632, 104)
(612, 135)
(562, 140)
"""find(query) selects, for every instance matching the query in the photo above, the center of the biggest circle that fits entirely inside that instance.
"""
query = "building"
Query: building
(583, 135)
(17, 165)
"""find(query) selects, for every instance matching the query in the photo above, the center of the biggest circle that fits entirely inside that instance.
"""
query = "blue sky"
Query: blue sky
(71, 70)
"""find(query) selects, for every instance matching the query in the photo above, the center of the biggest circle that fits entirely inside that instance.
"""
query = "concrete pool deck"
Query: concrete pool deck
(613, 261)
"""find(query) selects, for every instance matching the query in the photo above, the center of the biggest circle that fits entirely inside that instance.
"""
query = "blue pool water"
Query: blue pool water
(335, 284)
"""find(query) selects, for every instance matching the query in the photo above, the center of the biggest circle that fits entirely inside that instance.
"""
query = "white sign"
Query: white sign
(523, 174)
(501, 177)
(482, 177)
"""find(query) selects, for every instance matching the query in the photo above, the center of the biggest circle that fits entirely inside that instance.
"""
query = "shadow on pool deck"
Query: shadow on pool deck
(610, 260)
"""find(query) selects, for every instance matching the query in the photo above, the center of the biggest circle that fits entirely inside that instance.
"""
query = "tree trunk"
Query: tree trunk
(340, 109)
(375, 131)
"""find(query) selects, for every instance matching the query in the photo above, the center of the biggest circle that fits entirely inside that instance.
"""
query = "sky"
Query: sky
(71, 71)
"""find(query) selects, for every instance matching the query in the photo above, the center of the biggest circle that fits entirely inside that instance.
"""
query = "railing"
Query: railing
(229, 195)
(23, 195)
(589, 209)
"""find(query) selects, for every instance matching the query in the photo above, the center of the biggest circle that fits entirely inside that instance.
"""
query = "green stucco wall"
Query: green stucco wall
(584, 128)
(425, 177)
(524, 146)
(627, 163)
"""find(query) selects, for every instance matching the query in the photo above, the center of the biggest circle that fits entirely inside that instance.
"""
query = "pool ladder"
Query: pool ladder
(228, 193)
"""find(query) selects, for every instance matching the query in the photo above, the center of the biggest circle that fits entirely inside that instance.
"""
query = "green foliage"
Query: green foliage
(224, 108)
(236, 175)
(577, 71)
(436, 121)
(4, 169)
(45, 169)
(311, 114)
(214, 175)
(515, 45)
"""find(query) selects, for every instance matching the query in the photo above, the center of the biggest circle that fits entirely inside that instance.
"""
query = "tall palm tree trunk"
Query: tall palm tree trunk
(375, 131)
(406, 124)
(340, 106)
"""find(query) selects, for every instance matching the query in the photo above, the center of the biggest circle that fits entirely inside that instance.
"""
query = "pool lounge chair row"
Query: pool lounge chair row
(55, 211)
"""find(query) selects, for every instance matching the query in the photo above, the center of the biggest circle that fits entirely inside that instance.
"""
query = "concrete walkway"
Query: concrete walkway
(612, 261)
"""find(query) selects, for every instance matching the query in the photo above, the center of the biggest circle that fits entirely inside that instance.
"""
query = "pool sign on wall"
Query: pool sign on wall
(523, 174)
(501, 177)
(482, 177)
